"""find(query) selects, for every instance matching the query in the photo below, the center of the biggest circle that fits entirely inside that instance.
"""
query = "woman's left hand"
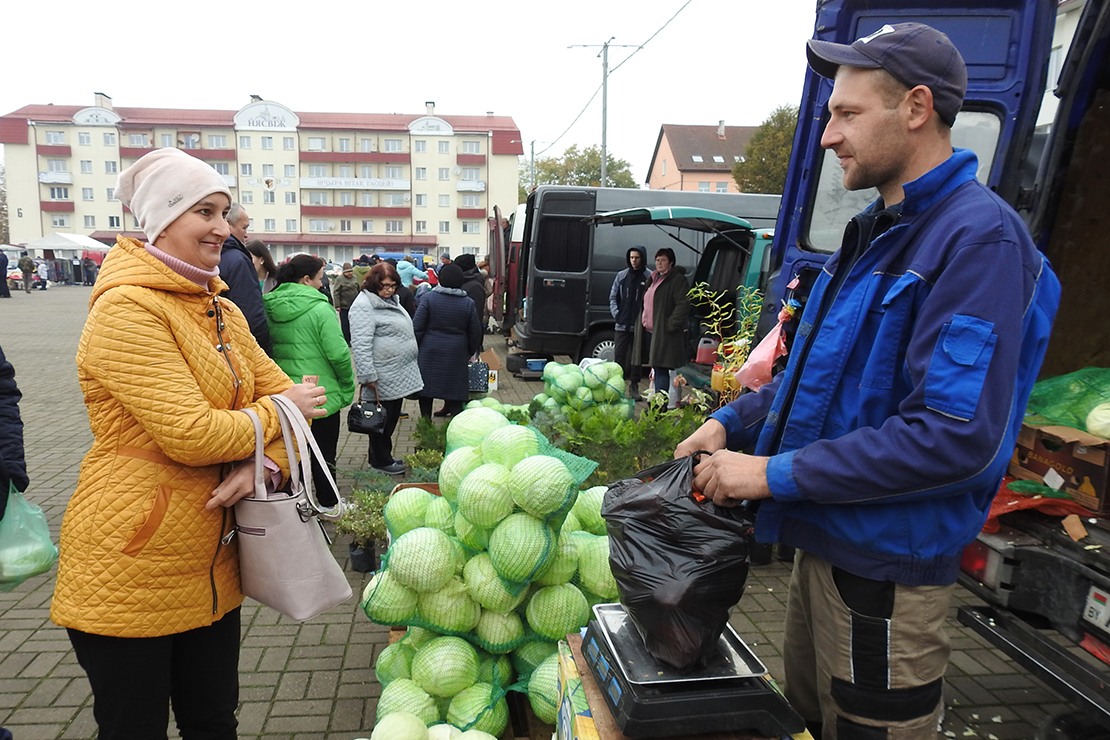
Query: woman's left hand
(237, 484)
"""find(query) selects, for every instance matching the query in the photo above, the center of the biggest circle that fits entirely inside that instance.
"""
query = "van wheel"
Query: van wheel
(600, 345)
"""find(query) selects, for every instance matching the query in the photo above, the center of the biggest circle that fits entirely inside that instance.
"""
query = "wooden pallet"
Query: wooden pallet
(523, 723)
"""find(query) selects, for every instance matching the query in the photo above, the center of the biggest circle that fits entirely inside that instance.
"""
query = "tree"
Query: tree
(583, 168)
(763, 169)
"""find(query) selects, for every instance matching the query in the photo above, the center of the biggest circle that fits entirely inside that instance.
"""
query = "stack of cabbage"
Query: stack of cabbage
(488, 576)
(597, 388)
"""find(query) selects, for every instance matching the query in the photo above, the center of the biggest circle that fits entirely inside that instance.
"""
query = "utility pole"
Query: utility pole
(604, 54)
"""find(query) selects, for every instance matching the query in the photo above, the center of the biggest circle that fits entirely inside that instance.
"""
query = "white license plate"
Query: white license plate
(1097, 611)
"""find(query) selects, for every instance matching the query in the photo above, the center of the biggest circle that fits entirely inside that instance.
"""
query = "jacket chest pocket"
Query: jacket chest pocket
(889, 322)
(958, 367)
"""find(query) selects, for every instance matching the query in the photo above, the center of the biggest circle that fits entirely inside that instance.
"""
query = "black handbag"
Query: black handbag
(366, 417)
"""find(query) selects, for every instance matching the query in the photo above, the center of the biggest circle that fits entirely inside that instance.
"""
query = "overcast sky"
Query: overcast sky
(698, 61)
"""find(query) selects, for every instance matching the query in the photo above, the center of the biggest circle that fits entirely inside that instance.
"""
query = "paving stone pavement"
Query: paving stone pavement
(315, 680)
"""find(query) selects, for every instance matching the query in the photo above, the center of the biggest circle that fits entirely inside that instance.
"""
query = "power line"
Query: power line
(599, 87)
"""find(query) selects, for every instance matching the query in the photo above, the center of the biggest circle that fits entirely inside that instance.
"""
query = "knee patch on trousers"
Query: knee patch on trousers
(887, 705)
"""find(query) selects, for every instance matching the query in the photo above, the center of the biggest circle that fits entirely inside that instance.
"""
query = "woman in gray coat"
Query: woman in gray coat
(385, 354)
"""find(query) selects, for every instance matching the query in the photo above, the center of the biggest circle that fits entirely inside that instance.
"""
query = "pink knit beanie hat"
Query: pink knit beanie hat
(164, 184)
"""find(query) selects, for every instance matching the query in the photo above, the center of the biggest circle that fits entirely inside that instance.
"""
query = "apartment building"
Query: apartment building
(333, 184)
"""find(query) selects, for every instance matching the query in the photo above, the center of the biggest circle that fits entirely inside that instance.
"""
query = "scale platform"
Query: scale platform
(651, 699)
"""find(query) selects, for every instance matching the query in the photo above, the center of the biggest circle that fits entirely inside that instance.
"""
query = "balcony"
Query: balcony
(56, 206)
(56, 178)
(470, 186)
(353, 183)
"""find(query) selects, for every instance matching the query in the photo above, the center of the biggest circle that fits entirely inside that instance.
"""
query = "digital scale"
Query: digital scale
(650, 699)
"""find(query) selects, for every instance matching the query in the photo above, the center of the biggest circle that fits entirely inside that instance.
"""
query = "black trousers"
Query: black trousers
(136, 679)
(622, 349)
(380, 453)
(326, 433)
(453, 407)
(345, 324)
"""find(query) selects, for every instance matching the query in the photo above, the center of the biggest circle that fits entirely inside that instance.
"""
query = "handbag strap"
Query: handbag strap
(377, 398)
(259, 478)
(290, 415)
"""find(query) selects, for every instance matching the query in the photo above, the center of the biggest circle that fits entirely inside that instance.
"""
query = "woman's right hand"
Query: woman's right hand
(309, 398)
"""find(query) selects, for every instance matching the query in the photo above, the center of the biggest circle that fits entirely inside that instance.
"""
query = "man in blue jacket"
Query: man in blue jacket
(238, 271)
(878, 449)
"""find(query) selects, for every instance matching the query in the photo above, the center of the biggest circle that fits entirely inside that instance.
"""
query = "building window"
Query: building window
(317, 198)
(59, 221)
(290, 170)
(366, 145)
(316, 143)
(111, 193)
(346, 198)
(86, 166)
(84, 138)
(394, 173)
(421, 173)
(267, 142)
(217, 141)
(471, 200)
(470, 173)
(445, 201)
(86, 193)
(289, 144)
(190, 141)
(366, 170)
(222, 167)
(367, 226)
(421, 200)
(718, 159)
(445, 227)
(57, 165)
(345, 170)
(444, 173)
(345, 225)
(393, 226)
(697, 158)
(420, 146)
(703, 186)
(444, 147)
(291, 225)
(317, 170)
(393, 200)
(317, 224)
(137, 140)
(392, 145)
(111, 167)
(267, 170)
(471, 147)
(722, 187)
(246, 169)
(367, 199)
(471, 227)
(291, 198)
(90, 222)
(57, 193)
(244, 142)
(110, 138)
(421, 227)
(268, 197)
(269, 224)
(345, 146)
(167, 140)
(246, 197)
(113, 222)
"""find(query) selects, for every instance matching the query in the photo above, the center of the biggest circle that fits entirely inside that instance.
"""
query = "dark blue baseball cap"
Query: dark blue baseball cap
(913, 53)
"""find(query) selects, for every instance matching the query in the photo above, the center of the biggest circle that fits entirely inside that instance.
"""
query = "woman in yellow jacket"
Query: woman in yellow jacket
(148, 588)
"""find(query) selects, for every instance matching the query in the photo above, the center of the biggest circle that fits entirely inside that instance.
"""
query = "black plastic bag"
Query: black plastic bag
(680, 561)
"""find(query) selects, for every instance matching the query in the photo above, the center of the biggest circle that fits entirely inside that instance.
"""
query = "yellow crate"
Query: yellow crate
(574, 721)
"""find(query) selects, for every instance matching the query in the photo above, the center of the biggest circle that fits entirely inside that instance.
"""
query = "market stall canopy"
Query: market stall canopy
(68, 241)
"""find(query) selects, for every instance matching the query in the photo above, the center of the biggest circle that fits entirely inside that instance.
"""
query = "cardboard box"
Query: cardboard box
(494, 362)
(574, 721)
(1081, 459)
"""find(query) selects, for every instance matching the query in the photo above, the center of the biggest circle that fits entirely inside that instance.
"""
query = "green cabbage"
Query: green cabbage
(445, 666)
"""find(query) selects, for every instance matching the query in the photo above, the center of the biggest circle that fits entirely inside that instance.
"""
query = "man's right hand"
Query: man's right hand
(710, 436)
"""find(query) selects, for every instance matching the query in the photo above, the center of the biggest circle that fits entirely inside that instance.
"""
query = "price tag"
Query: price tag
(1053, 480)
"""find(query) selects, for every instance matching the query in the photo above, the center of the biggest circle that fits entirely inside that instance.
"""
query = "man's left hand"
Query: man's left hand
(731, 477)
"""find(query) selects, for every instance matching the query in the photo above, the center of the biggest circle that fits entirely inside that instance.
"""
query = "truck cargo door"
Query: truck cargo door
(559, 263)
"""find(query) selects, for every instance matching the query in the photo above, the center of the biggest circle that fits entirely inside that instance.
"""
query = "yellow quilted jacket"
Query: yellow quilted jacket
(140, 556)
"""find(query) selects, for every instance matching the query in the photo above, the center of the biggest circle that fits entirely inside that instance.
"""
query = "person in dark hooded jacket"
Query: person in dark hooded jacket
(474, 283)
(626, 302)
(449, 334)
(13, 464)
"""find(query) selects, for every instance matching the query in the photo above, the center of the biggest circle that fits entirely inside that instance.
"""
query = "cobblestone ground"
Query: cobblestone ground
(315, 680)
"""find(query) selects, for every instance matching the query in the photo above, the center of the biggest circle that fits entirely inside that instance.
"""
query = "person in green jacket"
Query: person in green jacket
(308, 344)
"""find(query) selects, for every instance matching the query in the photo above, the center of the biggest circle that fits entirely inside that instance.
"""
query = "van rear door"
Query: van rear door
(1005, 44)
(557, 296)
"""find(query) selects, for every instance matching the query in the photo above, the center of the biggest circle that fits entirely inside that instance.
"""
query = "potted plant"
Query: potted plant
(364, 521)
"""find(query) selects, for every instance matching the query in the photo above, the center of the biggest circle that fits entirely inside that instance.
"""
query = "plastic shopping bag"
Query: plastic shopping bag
(25, 546)
(756, 370)
(680, 561)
